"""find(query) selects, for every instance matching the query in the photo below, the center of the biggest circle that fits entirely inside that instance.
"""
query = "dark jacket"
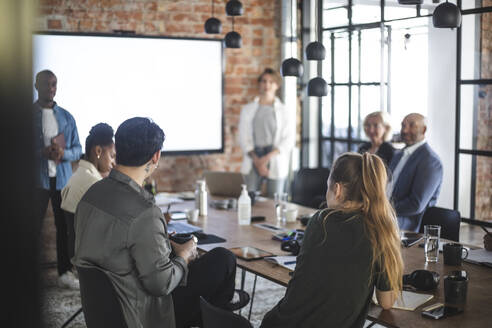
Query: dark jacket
(417, 187)
(332, 284)
(385, 151)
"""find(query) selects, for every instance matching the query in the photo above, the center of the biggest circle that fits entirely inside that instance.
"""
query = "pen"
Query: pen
(289, 262)
(485, 229)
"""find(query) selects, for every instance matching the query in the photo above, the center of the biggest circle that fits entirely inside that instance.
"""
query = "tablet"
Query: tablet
(250, 253)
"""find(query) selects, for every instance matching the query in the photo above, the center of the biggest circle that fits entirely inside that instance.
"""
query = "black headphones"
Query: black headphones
(423, 280)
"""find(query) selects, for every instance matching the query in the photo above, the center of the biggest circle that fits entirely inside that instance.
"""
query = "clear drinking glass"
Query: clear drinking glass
(280, 201)
(431, 247)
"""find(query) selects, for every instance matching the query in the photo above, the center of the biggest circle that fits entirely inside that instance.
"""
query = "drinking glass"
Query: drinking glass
(431, 247)
(280, 201)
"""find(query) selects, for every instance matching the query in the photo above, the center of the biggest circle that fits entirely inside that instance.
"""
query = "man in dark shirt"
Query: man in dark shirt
(121, 231)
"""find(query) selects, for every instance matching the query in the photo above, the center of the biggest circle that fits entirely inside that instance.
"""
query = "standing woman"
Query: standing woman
(348, 249)
(378, 130)
(99, 159)
(266, 137)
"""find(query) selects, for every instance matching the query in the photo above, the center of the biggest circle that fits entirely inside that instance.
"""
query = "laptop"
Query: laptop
(226, 184)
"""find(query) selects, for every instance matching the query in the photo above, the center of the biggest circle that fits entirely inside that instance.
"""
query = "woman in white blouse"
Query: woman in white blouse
(98, 160)
(266, 136)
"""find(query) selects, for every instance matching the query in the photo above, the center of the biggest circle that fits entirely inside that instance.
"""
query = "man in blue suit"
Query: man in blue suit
(417, 174)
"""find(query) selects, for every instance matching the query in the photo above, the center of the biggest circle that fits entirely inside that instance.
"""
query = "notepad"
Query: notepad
(479, 256)
(408, 301)
(288, 262)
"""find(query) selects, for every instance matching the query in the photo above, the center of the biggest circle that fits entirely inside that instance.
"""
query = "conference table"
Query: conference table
(223, 223)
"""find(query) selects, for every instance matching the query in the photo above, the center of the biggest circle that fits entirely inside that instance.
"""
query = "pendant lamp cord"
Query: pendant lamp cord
(291, 30)
(212, 8)
(233, 23)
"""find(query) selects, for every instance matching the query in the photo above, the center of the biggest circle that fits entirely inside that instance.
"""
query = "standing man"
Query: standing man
(417, 174)
(56, 145)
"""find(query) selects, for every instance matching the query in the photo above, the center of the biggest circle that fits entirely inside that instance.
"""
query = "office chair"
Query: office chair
(449, 220)
(100, 302)
(309, 187)
(214, 317)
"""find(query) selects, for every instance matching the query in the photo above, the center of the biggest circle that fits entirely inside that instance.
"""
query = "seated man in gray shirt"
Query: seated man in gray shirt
(121, 231)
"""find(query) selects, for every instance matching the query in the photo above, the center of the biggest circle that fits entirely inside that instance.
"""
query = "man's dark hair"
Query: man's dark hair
(100, 135)
(136, 140)
(46, 72)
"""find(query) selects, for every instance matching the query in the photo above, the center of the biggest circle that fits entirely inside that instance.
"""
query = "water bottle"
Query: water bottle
(244, 207)
(201, 198)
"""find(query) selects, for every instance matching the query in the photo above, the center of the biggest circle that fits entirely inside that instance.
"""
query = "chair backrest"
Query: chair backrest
(99, 300)
(309, 187)
(449, 220)
(214, 317)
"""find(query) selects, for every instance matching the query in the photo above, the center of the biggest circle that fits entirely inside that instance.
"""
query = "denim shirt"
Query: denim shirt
(73, 150)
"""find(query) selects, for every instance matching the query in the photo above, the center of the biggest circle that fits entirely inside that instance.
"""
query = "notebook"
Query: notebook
(226, 184)
(408, 300)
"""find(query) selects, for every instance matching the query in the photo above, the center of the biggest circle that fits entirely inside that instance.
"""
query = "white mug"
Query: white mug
(192, 215)
(290, 214)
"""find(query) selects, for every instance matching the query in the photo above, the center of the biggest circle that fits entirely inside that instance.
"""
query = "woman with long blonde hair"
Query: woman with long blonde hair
(349, 249)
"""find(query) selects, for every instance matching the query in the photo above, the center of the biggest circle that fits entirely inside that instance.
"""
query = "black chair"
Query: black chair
(99, 300)
(214, 317)
(449, 220)
(309, 187)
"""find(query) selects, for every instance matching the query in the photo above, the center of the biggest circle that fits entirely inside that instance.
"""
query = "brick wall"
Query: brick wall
(259, 28)
(483, 194)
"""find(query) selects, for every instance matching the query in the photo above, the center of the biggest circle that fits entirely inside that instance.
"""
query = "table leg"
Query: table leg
(252, 297)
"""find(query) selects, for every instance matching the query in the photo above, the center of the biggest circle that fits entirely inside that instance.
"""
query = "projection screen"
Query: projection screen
(177, 82)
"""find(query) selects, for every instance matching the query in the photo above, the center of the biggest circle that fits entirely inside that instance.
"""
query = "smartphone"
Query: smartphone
(439, 311)
(249, 253)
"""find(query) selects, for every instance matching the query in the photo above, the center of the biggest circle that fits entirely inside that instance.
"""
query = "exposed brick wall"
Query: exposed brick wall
(260, 31)
(483, 195)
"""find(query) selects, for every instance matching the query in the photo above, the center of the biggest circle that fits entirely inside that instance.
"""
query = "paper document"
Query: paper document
(163, 200)
(408, 300)
(479, 256)
(288, 262)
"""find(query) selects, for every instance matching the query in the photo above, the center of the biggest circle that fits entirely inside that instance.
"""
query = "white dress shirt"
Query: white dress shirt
(407, 152)
(85, 176)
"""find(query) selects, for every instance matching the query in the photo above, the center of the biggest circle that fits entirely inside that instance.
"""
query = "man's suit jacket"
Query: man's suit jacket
(417, 187)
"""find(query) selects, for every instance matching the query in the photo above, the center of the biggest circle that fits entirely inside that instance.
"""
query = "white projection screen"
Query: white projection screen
(178, 82)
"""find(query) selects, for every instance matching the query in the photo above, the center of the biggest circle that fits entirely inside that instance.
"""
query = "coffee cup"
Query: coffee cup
(455, 289)
(192, 215)
(454, 253)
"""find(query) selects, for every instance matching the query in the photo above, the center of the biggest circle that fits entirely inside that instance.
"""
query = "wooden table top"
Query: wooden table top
(478, 310)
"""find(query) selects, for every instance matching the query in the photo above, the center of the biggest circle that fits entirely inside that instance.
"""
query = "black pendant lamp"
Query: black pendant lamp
(213, 25)
(234, 8)
(291, 66)
(233, 39)
(315, 51)
(317, 87)
(446, 15)
(410, 2)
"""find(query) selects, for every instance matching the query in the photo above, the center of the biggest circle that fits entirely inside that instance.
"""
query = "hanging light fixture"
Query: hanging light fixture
(315, 51)
(292, 66)
(233, 39)
(446, 15)
(317, 86)
(410, 2)
(234, 8)
(213, 25)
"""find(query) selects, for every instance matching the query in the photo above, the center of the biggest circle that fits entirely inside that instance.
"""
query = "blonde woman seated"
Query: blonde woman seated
(348, 250)
(378, 129)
